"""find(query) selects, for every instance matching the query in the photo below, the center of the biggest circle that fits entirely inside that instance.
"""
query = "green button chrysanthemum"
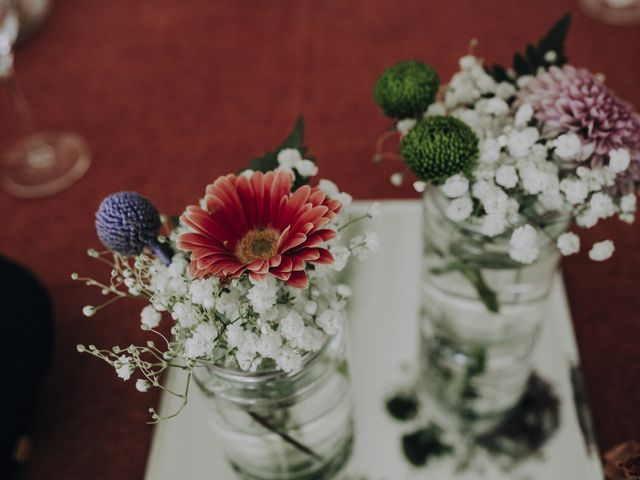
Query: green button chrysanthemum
(439, 147)
(406, 89)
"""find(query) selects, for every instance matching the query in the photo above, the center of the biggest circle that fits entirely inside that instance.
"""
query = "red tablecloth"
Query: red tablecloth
(171, 94)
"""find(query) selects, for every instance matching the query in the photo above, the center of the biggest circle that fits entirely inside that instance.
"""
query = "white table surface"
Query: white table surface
(383, 317)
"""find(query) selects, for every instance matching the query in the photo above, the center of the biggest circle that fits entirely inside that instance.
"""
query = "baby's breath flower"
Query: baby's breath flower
(340, 257)
(396, 179)
(142, 385)
(524, 114)
(602, 205)
(494, 225)
(628, 203)
(459, 209)
(150, 317)
(419, 186)
(455, 186)
(507, 176)
(568, 146)
(306, 168)
(619, 160)
(362, 245)
(519, 142)
(202, 341)
(523, 245)
(403, 126)
(375, 210)
(575, 190)
(123, 367)
(568, 243)
(601, 251)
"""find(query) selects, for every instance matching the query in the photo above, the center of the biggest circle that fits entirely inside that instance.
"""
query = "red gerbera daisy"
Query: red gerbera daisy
(258, 225)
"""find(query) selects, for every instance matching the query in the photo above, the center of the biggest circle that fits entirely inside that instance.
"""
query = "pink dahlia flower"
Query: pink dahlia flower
(258, 225)
(568, 99)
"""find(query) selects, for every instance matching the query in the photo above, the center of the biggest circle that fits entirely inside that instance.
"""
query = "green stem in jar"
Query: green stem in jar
(266, 423)
(485, 293)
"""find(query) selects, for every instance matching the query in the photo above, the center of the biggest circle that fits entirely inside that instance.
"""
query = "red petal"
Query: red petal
(281, 275)
(292, 207)
(292, 242)
(317, 197)
(191, 241)
(320, 236)
(286, 265)
(298, 263)
(256, 277)
(258, 185)
(275, 260)
(325, 257)
(280, 187)
(308, 254)
(259, 266)
(246, 195)
(298, 279)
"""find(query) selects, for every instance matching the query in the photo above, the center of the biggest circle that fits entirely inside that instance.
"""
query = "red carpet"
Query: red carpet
(172, 94)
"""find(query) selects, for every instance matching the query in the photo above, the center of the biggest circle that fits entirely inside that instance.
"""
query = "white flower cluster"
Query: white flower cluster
(245, 323)
(290, 159)
(241, 323)
(522, 175)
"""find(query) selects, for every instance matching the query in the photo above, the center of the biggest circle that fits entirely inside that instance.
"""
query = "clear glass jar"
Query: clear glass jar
(284, 426)
(481, 315)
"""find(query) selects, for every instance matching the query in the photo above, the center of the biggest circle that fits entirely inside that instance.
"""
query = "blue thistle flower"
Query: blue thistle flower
(126, 222)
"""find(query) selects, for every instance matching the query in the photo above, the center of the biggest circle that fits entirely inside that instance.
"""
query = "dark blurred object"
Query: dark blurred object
(623, 462)
(616, 12)
(27, 330)
(31, 14)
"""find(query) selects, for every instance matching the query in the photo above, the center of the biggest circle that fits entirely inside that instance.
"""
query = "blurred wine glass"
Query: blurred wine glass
(616, 12)
(42, 163)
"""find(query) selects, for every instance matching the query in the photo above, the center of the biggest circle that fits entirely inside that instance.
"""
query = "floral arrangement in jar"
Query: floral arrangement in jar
(510, 161)
(246, 275)
(517, 153)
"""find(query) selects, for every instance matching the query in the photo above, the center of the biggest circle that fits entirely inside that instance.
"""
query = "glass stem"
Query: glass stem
(40, 154)
(19, 102)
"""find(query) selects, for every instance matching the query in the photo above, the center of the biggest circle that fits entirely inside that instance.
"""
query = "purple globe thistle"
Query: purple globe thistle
(126, 222)
(568, 99)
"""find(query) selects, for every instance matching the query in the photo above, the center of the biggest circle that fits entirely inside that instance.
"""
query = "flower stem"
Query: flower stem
(285, 436)
(486, 294)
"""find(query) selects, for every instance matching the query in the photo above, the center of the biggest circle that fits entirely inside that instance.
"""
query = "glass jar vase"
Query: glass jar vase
(285, 426)
(481, 315)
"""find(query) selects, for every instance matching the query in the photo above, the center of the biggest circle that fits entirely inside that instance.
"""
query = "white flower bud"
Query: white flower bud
(142, 385)
(601, 251)
(568, 243)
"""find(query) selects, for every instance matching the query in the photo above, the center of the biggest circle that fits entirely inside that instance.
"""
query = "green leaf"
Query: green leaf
(555, 38)
(295, 139)
(499, 74)
(534, 56)
(269, 161)
(520, 65)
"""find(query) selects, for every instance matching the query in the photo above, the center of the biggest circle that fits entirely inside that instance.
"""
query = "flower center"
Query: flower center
(257, 244)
